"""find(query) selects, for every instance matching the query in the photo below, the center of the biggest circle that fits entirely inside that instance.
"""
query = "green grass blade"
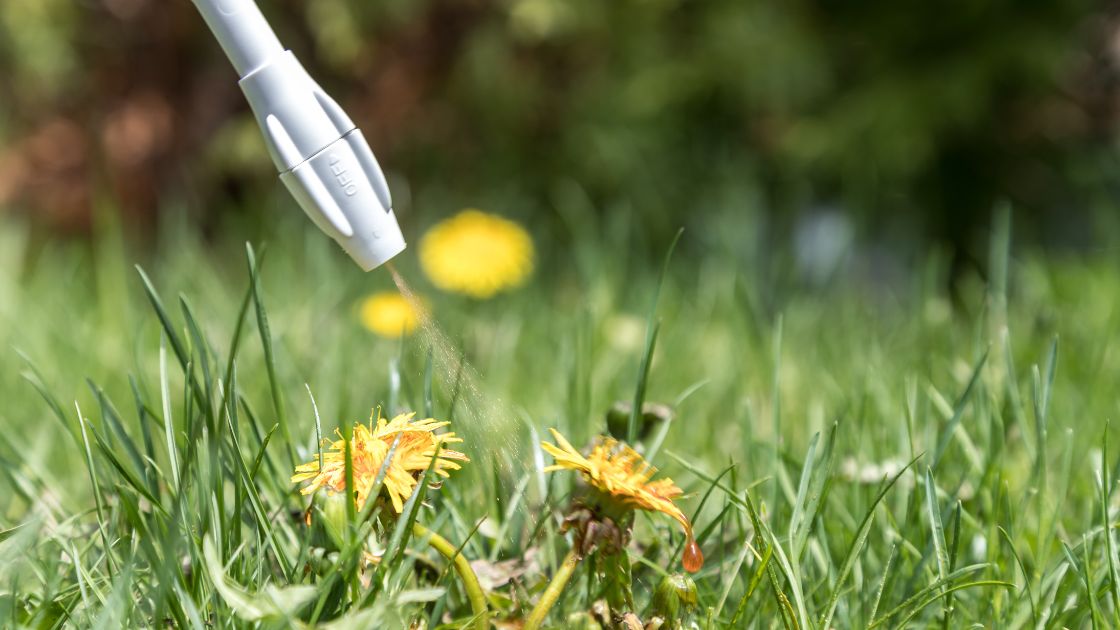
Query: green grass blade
(883, 582)
(264, 523)
(712, 484)
(1023, 570)
(640, 388)
(814, 478)
(651, 340)
(97, 496)
(112, 417)
(318, 426)
(952, 589)
(35, 378)
(857, 546)
(789, 617)
(1041, 392)
(409, 512)
(165, 321)
(776, 410)
(934, 587)
(235, 340)
(756, 579)
(732, 495)
(351, 505)
(958, 411)
(144, 419)
(168, 423)
(269, 358)
(954, 542)
(729, 581)
(201, 347)
(802, 492)
(1110, 552)
(128, 475)
(937, 530)
(261, 451)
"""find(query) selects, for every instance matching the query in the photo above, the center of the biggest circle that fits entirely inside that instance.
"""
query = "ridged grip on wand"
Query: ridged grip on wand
(322, 157)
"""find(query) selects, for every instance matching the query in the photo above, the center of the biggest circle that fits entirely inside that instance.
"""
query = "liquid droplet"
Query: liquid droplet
(693, 558)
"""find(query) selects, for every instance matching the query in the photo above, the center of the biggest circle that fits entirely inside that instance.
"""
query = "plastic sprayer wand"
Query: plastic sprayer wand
(321, 155)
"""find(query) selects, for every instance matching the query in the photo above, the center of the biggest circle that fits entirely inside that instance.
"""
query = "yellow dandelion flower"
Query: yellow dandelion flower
(476, 254)
(623, 477)
(368, 449)
(389, 314)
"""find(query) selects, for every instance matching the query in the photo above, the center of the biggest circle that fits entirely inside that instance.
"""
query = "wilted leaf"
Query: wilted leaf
(494, 575)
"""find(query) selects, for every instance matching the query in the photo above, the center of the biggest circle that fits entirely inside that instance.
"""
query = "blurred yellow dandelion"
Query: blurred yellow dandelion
(389, 314)
(622, 476)
(368, 449)
(476, 254)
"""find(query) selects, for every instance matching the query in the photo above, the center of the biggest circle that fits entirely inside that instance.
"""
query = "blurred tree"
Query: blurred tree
(913, 118)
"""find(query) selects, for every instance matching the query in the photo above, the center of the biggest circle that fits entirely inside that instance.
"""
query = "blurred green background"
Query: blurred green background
(759, 125)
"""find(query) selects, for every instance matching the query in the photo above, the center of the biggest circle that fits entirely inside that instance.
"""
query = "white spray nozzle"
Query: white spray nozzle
(321, 155)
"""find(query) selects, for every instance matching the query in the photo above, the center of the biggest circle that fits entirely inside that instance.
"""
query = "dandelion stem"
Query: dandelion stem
(552, 593)
(463, 569)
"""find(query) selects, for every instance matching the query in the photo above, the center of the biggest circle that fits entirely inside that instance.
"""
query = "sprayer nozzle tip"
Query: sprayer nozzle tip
(344, 194)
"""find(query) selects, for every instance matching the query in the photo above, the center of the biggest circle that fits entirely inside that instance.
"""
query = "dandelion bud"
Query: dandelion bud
(332, 510)
(674, 593)
(653, 415)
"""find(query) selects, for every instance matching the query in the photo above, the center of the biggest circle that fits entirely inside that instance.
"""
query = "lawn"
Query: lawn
(854, 452)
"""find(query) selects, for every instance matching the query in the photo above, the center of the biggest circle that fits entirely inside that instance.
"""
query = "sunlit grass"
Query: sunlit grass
(858, 455)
